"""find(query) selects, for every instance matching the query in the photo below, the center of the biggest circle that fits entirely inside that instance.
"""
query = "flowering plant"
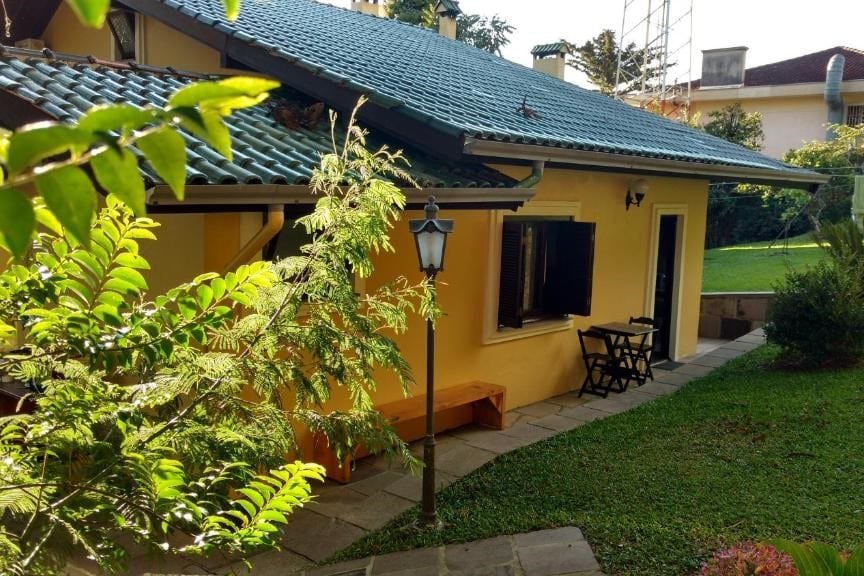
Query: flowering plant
(749, 559)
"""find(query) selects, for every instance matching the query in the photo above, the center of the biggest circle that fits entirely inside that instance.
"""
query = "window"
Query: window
(122, 25)
(855, 115)
(288, 242)
(546, 270)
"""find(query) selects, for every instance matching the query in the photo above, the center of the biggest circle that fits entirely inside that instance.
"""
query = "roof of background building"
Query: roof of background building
(455, 89)
(265, 151)
(804, 69)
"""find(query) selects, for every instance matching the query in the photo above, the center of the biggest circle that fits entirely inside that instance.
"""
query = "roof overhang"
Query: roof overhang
(16, 111)
(254, 197)
(642, 165)
(717, 94)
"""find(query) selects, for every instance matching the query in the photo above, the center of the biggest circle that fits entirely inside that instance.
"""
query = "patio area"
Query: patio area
(382, 490)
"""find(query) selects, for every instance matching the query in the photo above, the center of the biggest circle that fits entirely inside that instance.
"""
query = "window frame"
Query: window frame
(491, 332)
(137, 26)
(532, 282)
(860, 106)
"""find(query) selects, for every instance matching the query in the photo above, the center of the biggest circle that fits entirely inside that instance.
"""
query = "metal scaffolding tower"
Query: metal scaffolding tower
(657, 72)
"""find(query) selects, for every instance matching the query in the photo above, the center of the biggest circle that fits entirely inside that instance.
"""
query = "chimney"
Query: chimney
(723, 67)
(833, 95)
(448, 11)
(374, 7)
(552, 58)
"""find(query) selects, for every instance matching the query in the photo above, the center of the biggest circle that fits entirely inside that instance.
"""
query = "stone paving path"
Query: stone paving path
(380, 491)
(558, 551)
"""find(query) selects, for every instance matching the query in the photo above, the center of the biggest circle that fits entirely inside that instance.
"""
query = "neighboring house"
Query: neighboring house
(484, 134)
(790, 95)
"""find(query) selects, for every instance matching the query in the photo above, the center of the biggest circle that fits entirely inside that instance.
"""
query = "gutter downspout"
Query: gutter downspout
(833, 98)
(537, 168)
(272, 227)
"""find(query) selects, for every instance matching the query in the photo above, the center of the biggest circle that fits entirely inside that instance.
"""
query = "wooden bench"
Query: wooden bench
(475, 402)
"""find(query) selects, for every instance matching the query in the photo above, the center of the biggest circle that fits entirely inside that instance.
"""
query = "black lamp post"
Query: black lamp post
(430, 235)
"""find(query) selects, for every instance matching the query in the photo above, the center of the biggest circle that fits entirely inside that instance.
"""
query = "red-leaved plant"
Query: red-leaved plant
(749, 559)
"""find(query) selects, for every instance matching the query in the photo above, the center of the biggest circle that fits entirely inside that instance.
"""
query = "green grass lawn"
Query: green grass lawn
(745, 453)
(755, 267)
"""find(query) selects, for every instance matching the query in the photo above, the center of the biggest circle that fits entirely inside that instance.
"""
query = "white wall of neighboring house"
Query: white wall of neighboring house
(791, 115)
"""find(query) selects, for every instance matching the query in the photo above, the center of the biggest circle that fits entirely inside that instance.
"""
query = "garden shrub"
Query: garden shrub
(140, 430)
(818, 559)
(818, 317)
(749, 559)
(844, 244)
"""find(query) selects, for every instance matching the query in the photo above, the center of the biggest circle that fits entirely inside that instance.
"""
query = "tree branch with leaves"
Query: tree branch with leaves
(598, 59)
(489, 34)
(155, 417)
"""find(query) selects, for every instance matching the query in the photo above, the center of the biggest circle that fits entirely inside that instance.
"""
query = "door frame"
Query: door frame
(658, 211)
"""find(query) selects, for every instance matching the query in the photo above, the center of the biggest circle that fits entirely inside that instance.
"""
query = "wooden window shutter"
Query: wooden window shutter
(570, 268)
(512, 273)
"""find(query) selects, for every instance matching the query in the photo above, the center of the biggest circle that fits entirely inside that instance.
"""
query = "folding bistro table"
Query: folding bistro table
(627, 349)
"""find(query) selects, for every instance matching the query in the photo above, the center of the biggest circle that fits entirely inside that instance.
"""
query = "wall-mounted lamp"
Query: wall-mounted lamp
(636, 192)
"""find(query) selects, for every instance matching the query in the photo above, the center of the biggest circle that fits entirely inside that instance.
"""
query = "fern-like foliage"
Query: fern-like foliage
(154, 415)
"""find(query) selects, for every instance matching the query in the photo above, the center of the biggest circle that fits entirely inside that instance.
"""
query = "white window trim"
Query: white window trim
(658, 211)
(491, 333)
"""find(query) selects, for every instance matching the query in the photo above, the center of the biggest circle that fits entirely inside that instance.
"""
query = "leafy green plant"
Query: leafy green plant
(97, 454)
(740, 213)
(139, 423)
(816, 559)
(844, 244)
(598, 59)
(817, 317)
(489, 34)
(736, 125)
(840, 158)
(156, 416)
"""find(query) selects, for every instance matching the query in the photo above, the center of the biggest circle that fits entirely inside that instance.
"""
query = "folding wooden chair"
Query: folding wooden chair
(643, 351)
(603, 369)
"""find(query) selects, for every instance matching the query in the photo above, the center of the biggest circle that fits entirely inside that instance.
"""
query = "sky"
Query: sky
(772, 29)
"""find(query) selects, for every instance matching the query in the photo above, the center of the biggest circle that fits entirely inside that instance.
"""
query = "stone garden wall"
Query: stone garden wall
(729, 315)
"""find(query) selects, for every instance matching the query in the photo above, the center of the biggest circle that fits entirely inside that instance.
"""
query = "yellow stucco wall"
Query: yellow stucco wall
(158, 44)
(178, 254)
(540, 366)
(66, 34)
(161, 45)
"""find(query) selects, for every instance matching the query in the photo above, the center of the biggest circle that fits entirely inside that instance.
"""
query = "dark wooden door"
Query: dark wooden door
(665, 286)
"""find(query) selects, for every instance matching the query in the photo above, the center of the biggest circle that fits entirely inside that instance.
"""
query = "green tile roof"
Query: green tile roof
(265, 152)
(450, 7)
(456, 89)
(549, 49)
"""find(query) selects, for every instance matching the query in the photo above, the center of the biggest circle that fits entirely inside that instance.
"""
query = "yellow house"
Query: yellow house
(796, 97)
(531, 168)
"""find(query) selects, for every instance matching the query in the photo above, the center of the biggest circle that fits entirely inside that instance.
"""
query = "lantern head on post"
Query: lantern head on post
(430, 235)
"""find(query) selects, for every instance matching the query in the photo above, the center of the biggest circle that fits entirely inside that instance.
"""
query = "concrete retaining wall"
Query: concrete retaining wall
(729, 315)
